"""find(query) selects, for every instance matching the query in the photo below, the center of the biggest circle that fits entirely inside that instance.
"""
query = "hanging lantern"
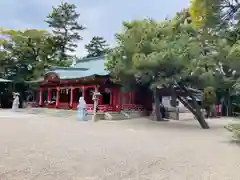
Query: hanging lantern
(107, 90)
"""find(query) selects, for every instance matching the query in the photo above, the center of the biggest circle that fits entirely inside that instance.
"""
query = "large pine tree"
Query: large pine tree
(66, 28)
(97, 47)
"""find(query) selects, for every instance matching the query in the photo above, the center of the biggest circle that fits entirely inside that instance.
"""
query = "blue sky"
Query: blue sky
(101, 17)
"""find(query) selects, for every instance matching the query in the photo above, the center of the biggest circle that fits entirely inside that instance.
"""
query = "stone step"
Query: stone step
(114, 116)
(133, 114)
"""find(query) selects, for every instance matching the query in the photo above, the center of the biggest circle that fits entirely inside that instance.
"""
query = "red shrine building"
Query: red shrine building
(62, 87)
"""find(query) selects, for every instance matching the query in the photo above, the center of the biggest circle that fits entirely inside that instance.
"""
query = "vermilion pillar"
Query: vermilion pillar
(119, 100)
(130, 97)
(133, 97)
(41, 97)
(49, 95)
(83, 92)
(100, 100)
(114, 101)
(119, 96)
(71, 97)
(111, 97)
(57, 96)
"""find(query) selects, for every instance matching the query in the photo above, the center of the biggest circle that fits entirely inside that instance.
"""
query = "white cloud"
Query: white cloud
(101, 17)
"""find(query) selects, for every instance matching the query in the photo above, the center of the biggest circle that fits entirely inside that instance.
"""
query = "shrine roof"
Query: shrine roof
(83, 68)
(4, 80)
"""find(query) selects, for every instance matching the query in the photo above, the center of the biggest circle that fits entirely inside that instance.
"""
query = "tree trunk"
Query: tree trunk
(174, 101)
(228, 103)
(207, 110)
(156, 113)
(213, 111)
(194, 107)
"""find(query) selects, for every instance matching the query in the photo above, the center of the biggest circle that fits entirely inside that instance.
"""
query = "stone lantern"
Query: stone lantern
(95, 96)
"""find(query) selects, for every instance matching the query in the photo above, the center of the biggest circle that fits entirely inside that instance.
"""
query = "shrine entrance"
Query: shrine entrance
(64, 96)
(77, 93)
(88, 95)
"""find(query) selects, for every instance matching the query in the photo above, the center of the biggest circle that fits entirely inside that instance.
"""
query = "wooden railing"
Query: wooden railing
(63, 105)
(101, 108)
(132, 107)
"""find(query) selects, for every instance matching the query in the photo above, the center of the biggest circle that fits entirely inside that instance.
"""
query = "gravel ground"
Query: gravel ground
(35, 147)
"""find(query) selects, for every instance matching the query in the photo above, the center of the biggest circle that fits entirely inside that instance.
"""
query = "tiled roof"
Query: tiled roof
(83, 68)
(94, 65)
(5, 80)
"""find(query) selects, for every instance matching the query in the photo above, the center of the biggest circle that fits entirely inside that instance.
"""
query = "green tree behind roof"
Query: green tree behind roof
(97, 47)
(160, 54)
(66, 29)
(25, 54)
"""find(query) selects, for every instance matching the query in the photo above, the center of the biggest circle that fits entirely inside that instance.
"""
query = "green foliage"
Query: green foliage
(159, 53)
(209, 96)
(97, 47)
(214, 13)
(66, 28)
(25, 54)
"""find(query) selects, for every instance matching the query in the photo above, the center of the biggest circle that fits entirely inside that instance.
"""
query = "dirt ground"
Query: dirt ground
(43, 147)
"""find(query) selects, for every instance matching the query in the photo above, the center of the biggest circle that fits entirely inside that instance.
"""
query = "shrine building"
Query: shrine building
(61, 88)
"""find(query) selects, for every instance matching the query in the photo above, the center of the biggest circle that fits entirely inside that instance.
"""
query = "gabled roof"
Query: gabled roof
(94, 65)
(83, 68)
(4, 80)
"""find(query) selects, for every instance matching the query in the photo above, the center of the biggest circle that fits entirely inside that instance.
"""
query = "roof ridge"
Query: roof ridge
(67, 68)
(89, 59)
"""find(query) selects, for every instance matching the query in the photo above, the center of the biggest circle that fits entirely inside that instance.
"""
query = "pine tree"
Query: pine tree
(160, 54)
(66, 28)
(97, 47)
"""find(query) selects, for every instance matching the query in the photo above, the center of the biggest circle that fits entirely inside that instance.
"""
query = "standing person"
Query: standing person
(16, 103)
(162, 110)
(81, 110)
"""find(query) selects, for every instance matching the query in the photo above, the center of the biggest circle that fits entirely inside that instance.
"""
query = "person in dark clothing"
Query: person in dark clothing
(162, 110)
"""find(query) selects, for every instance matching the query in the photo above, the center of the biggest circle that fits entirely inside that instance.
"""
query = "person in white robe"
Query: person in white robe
(15, 105)
(81, 110)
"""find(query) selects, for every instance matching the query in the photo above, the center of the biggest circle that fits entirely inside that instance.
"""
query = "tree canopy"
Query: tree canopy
(210, 13)
(199, 48)
(97, 47)
(25, 54)
(158, 54)
(66, 28)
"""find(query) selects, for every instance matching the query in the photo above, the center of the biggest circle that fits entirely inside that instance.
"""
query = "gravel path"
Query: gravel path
(37, 147)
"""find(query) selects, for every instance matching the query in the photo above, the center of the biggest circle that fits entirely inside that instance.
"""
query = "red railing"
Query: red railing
(74, 106)
(132, 107)
(63, 106)
(101, 108)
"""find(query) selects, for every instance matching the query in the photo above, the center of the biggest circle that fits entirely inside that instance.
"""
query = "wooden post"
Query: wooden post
(111, 97)
(95, 101)
(119, 106)
(119, 96)
(41, 97)
(133, 97)
(114, 96)
(83, 92)
(130, 97)
(100, 100)
(57, 97)
(71, 97)
(49, 95)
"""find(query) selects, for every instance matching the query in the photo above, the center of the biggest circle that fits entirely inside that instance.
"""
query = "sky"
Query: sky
(100, 17)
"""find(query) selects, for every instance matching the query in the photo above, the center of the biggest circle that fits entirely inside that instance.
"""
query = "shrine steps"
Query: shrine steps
(133, 114)
(122, 115)
(115, 116)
